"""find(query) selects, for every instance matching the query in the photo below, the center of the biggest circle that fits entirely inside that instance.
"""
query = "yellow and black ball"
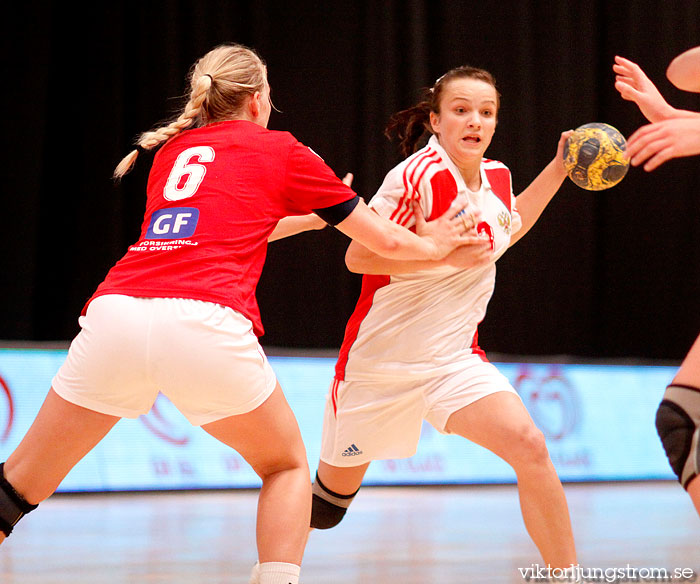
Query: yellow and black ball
(594, 156)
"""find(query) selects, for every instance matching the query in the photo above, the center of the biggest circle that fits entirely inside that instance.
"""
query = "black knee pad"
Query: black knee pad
(678, 425)
(328, 508)
(12, 505)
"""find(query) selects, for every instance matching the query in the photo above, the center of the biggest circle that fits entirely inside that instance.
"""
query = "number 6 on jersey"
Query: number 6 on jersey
(194, 173)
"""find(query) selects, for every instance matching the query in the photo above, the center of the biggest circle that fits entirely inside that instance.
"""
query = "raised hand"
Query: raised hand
(633, 85)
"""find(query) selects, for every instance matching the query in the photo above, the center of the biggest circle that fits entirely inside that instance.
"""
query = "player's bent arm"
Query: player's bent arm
(289, 226)
(475, 252)
(533, 200)
(361, 260)
(390, 240)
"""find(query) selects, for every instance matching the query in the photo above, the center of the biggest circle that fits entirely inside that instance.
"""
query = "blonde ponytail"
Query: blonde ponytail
(220, 81)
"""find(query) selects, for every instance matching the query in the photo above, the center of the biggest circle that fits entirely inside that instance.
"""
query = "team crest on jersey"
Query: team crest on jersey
(504, 221)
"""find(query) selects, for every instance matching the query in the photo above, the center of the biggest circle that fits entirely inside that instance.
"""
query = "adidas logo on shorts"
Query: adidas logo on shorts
(352, 451)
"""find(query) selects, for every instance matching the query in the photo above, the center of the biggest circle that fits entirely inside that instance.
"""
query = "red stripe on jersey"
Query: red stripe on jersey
(408, 183)
(499, 179)
(444, 192)
(415, 183)
(370, 285)
(476, 349)
(409, 209)
(334, 396)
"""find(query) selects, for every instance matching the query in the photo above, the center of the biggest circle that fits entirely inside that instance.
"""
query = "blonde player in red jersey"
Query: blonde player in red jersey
(177, 314)
(410, 350)
(672, 133)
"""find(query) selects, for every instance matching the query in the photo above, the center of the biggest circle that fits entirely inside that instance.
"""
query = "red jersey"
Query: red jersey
(214, 196)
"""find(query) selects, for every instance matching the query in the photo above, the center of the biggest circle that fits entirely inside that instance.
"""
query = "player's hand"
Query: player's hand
(347, 179)
(465, 219)
(633, 85)
(659, 142)
(476, 251)
(560, 151)
(444, 229)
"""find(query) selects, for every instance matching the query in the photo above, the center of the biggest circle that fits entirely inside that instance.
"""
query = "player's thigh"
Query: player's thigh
(499, 422)
(344, 480)
(60, 436)
(268, 437)
(689, 373)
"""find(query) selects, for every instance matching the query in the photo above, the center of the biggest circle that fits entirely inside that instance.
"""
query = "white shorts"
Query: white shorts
(202, 356)
(367, 421)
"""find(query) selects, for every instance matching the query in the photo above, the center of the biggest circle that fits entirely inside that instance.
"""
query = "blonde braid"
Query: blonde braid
(221, 81)
(151, 139)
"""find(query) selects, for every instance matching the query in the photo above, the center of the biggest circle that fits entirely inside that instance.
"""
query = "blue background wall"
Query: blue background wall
(598, 420)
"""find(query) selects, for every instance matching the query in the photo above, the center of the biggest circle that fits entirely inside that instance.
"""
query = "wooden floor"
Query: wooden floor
(406, 535)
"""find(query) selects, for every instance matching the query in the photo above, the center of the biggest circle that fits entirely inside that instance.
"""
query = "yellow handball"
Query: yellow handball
(594, 156)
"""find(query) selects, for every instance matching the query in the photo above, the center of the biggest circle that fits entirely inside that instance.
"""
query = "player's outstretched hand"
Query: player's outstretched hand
(654, 144)
(634, 85)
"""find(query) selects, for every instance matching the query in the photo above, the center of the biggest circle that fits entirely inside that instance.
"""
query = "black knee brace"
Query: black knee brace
(328, 508)
(678, 425)
(12, 505)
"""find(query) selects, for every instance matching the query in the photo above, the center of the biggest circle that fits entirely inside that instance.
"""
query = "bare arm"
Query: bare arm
(382, 236)
(475, 252)
(673, 133)
(289, 226)
(533, 200)
(390, 240)
(684, 70)
(654, 144)
(633, 85)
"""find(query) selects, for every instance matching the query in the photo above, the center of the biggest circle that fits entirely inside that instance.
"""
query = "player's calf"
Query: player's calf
(678, 425)
(328, 508)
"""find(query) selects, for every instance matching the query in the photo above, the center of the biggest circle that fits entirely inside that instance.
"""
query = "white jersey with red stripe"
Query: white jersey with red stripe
(424, 323)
